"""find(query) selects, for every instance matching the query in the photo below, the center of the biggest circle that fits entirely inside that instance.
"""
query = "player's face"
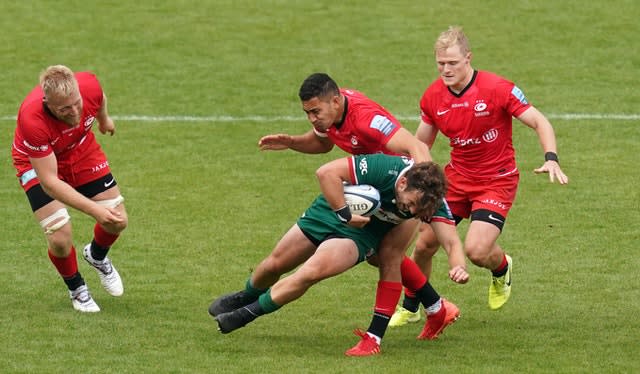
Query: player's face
(67, 109)
(407, 200)
(322, 112)
(454, 67)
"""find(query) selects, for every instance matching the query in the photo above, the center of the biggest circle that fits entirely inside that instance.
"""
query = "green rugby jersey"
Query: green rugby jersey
(382, 172)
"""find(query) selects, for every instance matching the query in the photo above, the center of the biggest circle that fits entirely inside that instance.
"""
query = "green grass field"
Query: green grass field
(194, 85)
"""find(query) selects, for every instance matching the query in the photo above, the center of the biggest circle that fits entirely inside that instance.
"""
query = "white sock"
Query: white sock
(376, 337)
(435, 307)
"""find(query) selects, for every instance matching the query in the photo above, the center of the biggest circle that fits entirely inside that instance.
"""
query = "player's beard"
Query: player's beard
(71, 120)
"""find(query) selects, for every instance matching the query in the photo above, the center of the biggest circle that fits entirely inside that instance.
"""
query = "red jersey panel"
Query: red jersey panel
(478, 123)
(367, 126)
(38, 133)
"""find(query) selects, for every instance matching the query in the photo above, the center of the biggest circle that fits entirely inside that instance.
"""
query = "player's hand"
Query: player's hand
(358, 221)
(108, 216)
(275, 142)
(459, 274)
(107, 126)
(555, 173)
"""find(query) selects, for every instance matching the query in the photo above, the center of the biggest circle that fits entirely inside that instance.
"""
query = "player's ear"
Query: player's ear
(402, 183)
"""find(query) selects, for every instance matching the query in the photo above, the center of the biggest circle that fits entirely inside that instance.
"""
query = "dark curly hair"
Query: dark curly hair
(428, 178)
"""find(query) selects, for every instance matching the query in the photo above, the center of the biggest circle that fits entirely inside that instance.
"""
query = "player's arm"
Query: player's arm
(541, 125)
(308, 142)
(447, 236)
(331, 177)
(404, 142)
(105, 123)
(426, 133)
(46, 169)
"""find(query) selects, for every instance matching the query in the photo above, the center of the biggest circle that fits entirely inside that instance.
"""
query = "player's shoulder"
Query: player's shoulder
(353, 94)
(487, 79)
(435, 88)
(87, 81)
(384, 160)
(90, 87)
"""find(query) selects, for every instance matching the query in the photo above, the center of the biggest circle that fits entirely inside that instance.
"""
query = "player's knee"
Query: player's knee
(424, 248)
(60, 242)
(116, 228)
(476, 253)
(272, 266)
(119, 227)
(390, 253)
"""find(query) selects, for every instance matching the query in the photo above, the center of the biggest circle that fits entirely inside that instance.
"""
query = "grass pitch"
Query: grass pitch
(193, 86)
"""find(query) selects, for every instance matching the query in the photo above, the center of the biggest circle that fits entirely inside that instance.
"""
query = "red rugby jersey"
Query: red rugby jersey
(478, 123)
(367, 126)
(38, 133)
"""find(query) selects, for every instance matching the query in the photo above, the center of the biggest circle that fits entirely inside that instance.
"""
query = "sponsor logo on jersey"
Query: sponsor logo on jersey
(388, 216)
(494, 202)
(490, 135)
(363, 166)
(460, 105)
(491, 217)
(382, 124)
(464, 142)
(27, 176)
(442, 112)
(99, 167)
(37, 148)
(518, 94)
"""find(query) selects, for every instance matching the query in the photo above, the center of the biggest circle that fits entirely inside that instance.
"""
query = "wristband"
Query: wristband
(343, 214)
(551, 156)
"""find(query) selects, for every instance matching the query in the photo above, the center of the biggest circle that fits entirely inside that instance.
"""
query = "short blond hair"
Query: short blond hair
(451, 37)
(58, 81)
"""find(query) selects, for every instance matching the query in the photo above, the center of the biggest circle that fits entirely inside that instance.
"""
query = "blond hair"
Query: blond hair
(451, 37)
(58, 81)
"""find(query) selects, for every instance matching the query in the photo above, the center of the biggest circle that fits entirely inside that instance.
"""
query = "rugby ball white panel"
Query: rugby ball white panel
(362, 199)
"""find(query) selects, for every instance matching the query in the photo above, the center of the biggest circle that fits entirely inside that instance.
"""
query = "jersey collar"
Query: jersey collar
(473, 79)
(344, 113)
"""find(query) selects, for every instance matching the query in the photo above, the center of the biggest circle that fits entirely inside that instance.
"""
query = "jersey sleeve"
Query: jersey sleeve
(425, 112)
(514, 99)
(379, 128)
(376, 169)
(34, 138)
(90, 89)
(443, 214)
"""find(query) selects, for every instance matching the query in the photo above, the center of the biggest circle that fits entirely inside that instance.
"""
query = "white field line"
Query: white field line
(301, 118)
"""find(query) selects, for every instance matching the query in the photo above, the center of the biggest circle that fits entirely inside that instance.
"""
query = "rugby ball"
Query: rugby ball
(362, 199)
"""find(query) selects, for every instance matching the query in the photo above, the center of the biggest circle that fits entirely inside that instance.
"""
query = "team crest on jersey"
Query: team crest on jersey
(480, 109)
(354, 140)
(89, 121)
